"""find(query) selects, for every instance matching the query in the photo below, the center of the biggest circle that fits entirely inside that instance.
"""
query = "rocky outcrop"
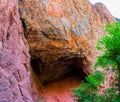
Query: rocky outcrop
(104, 14)
(14, 57)
(61, 34)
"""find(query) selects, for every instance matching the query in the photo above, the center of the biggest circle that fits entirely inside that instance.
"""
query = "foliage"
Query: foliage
(88, 91)
(110, 45)
(95, 79)
(111, 95)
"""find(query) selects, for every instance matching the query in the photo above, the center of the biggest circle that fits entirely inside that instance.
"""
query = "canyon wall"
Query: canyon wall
(60, 34)
(14, 56)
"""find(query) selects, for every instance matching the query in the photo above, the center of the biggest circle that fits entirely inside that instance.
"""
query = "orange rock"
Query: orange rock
(62, 33)
(62, 36)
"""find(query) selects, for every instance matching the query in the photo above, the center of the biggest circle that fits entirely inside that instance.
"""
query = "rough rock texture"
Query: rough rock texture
(62, 35)
(105, 15)
(14, 56)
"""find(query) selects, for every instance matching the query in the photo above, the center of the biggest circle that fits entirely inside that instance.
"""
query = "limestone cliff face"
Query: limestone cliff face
(14, 57)
(62, 33)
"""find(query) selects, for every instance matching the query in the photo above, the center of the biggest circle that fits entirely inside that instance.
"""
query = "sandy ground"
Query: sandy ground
(59, 91)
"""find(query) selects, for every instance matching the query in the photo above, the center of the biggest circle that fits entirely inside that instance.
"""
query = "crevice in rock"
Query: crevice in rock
(24, 27)
(35, 65)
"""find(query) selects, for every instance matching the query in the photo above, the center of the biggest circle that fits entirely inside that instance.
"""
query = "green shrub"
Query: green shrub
(110, 46)
(88, 91)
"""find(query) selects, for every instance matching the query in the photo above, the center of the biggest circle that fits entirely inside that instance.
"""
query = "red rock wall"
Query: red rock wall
(14, 57)
(62, 33)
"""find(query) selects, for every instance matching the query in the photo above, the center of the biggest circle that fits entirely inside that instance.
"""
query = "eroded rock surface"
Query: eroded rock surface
(62, 33)
(14, 57)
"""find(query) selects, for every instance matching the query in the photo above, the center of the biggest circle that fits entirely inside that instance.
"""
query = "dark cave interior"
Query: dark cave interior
(71, 68)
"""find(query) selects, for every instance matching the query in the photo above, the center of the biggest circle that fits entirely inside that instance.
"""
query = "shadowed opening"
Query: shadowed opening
(35, 65)
(56, 79)
(59, 70)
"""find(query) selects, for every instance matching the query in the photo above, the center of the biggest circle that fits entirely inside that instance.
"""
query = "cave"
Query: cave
(61, 69)
(74, 72)
(59, 78)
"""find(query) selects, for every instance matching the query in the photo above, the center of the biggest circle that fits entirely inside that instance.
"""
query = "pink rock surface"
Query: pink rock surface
(14, 56)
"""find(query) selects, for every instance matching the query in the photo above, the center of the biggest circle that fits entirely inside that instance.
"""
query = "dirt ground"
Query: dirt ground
(59, 91)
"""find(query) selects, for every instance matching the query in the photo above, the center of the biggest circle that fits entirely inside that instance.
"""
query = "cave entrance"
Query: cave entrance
(74, 71)
(61, 69)
(59, 79)
(71, 72)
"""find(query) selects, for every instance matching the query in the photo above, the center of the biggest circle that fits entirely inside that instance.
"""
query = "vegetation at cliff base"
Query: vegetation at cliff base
(89, 91)
(110, 45)
(109, 60)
